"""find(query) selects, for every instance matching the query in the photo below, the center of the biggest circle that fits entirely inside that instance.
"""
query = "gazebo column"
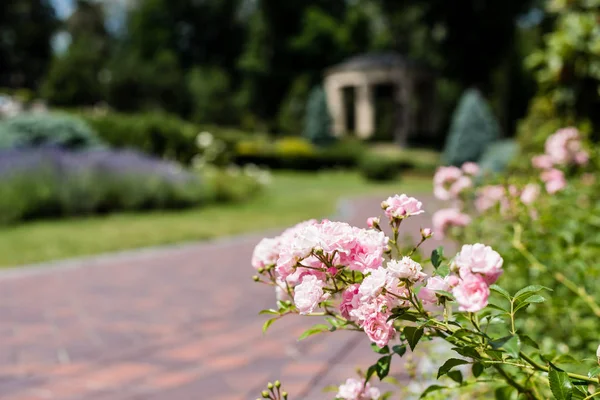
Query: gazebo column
(365, 111)
(335, 102)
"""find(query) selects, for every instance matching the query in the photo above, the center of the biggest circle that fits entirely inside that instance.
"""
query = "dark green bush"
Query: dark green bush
(473, 128)
(317, 123)
(375, 167)
(55, 130)
(499, 155)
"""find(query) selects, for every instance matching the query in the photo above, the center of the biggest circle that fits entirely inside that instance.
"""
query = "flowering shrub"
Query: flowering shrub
(359, 279)
(362, 280)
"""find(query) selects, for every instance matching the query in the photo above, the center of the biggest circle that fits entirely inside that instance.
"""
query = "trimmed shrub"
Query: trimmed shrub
(52, 182)
(317, 124)
(498, 156)
(472, 129)
(380, 168)
(54, 130)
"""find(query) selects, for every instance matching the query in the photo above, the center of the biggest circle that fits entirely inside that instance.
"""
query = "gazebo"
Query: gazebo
(352, 87)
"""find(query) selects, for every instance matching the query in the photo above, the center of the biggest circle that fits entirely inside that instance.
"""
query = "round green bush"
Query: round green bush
(55, 130)
(379, 168)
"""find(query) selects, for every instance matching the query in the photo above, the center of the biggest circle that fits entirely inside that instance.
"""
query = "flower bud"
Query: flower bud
(384, 205)
(261, 270)
(277, 384)
(284, 394)
(265, 394)
(269, 386)
(255, 278)
(373, 222)
(426, 233)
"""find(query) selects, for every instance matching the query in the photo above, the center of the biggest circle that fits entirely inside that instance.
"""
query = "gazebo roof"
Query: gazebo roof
(369, 61)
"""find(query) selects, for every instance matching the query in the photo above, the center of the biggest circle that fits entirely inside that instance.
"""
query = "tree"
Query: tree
(210, 96)
(473, 129)
(317, 125)
(26, 30)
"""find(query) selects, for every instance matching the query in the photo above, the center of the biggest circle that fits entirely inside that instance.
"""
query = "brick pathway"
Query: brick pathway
(176, 323)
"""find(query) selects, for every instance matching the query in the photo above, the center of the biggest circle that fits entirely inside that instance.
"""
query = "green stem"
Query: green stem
(541, 367)
(512, 382)
(591, 396)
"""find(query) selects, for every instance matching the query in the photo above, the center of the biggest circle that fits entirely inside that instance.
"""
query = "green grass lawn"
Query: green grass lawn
(292, 197)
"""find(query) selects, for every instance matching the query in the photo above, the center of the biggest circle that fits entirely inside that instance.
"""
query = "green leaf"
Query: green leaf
(370, 372)
(270, 311)
(504, 393)
(501, 291)
(456, 376)
(399, 349)
(566, 359)
(430, 389)
(477, 369)
(560, 384)
(383, 366)
(267, 324)
(448, 365)
(468, 352)
(445, 294)
(443, 271)
(512, 346)
(313, 331)
(594, 372)
(380, 350)
(437, 256)
(529, 291)
(497, 307)
(580, 393)
(413, 335)
(536, 298)
(528, 341)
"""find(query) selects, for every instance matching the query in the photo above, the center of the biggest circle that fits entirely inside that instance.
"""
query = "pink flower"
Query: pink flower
(265, 253)
(554, 179)
(308, 294)
(489, 196)
(406, 268)
(373, 283)
(355, 389)
(462, 183)
(472, 293)
(542, 161)
(401, 206)
(470, 168)
(563, 146)
(426, 233)
(378, 329)
(427, 293)
(581, 157)
(442, 181)
(350, 300)
(530, 193)
(445, 218)
(479, 259)
(373, 222)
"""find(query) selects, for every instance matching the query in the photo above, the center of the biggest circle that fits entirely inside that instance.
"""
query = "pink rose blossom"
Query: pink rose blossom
(350, 300)
(530, 193)
(308, 294)
(489, 196)
(554, 179)
(442, 181)
(542, 161)
(265, 253)
(427, 293)
(472, 293)
(470, 168)
(378, 329)
(445, 218)
(373, 222)
(462, 183)
(426, 233)
(581, 157)
(355, 389)
(401, 206)
(373, 283)
(406, 268)
(479, 259)
(563, 146)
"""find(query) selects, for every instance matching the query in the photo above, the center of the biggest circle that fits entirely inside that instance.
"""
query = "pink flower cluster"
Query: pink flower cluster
(450, 182)
(355, 389)
(489, 196)
(446, 218)
(478, 267)
(370, 303)
(562, 148)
